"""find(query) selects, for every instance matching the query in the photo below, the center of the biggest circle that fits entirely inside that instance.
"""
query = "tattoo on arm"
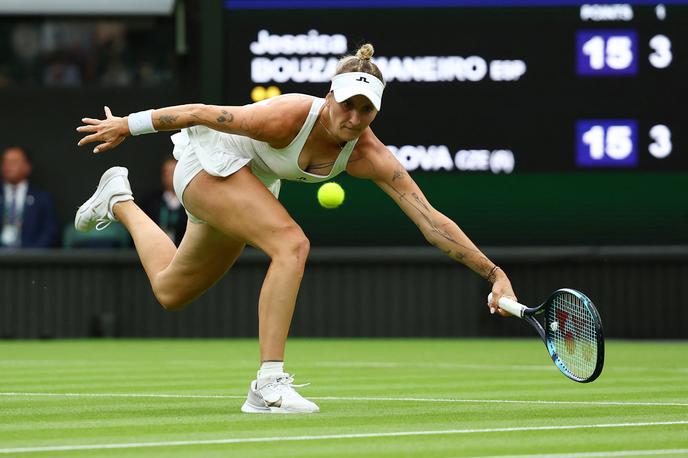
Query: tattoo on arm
(457, 251)
(225, 117)
(166, 120)
(458, 255)
(253, 130)
(200, 121)
(437, 229)
(417, 203)
(398, 174)
(492, 275)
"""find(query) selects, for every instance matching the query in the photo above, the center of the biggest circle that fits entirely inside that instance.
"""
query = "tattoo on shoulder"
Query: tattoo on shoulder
(166, 120)
(225, 117)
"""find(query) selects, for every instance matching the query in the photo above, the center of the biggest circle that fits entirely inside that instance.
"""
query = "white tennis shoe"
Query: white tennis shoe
(276, 394)
(96, 212)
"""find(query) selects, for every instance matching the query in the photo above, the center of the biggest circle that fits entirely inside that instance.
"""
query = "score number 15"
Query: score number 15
(615, 52)
(614, 143)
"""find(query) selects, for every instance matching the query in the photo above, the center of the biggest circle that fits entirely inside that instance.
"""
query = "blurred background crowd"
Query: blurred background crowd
(44, 55)
(74, 53)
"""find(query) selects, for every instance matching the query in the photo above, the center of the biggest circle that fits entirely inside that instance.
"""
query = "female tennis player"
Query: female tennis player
(231, 160)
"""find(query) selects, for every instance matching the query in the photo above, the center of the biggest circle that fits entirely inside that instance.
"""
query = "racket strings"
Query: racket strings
(573, 334)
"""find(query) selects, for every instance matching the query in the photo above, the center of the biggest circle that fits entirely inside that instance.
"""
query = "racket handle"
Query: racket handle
(510, 305)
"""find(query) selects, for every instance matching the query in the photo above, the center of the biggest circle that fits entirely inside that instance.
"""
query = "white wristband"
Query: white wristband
(141, 123)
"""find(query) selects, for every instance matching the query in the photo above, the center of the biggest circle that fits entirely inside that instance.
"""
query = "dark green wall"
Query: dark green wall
(523, 209)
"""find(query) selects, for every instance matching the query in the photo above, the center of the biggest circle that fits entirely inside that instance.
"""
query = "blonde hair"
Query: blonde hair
(360, 62)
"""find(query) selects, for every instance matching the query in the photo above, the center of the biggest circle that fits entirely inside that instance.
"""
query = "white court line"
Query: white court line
(507, 401)
(525, 367)
(62, 448)
(676, 451)
(124, 395)
(391, 364)
(342, 364)
(352, 398)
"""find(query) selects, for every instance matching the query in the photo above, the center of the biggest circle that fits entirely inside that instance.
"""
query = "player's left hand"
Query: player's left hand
(110, 131)
(501, 288)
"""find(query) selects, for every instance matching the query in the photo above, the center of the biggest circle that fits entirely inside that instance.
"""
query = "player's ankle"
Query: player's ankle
(270, 368)
(118, 208)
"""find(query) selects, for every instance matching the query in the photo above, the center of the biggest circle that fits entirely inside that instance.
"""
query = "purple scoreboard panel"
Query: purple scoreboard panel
(607, 143)
(497, 87)
(502, 110)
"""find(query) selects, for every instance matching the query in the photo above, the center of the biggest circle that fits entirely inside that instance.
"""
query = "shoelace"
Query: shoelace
(286, 381)
(103, 223)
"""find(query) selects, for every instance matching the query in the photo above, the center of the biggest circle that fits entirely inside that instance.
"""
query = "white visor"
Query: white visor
(349, 84)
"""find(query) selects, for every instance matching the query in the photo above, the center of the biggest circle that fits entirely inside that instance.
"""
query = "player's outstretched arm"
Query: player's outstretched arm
(263, 122)
(374, 161)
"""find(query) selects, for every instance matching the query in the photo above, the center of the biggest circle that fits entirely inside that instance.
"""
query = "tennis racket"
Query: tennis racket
(572, 331)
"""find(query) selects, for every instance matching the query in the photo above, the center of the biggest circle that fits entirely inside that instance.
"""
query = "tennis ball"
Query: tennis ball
(330, 195)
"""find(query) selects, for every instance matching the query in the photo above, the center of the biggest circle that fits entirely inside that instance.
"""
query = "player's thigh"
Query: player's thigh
(241, 207)
(204, 256)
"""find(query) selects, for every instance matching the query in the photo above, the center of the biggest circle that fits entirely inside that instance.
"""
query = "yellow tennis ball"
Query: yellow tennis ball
(330, 195)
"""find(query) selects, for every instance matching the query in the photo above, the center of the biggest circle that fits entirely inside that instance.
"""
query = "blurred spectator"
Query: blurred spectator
(61, 72)
(164, 208)
(116, 74)
(28, 214)
(69, 52)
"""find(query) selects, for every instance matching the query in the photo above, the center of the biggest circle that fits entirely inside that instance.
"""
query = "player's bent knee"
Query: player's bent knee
(299, 246)
(302, 247)
(171, 292)
(294, 246)
(170, 302)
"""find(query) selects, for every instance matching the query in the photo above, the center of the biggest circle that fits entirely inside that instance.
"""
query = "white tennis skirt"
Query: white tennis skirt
(199, 148)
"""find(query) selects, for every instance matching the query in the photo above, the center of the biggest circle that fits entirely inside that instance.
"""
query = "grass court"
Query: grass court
(378, 398)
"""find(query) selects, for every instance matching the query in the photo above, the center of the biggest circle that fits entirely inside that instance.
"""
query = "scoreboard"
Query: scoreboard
(526, 90)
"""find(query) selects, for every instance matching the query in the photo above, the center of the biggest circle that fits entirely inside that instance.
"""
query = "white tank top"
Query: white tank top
(270, 163)
(221, 154)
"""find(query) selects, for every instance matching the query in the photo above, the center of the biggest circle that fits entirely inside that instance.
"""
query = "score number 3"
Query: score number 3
(613, 143)
(661, 145)
(615, 52)
(661, 55)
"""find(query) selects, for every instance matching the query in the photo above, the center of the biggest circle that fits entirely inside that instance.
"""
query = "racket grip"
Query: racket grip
(509, 305)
